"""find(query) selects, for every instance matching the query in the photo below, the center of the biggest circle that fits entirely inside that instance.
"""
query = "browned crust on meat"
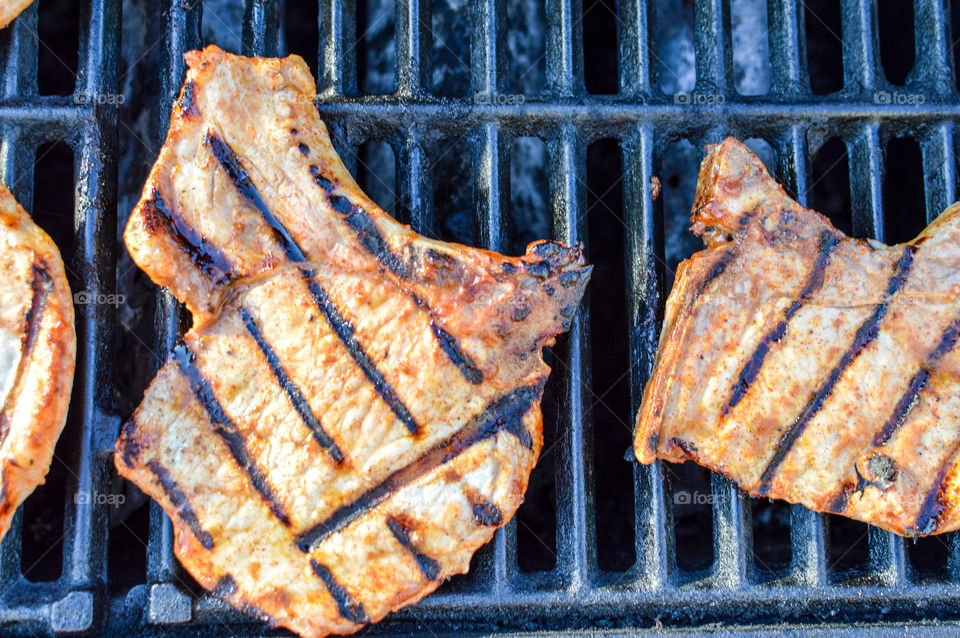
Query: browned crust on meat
(806, 365)
(284, 261)
(10, 9)
(36, 406)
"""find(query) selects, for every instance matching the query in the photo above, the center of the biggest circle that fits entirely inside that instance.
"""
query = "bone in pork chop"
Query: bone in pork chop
(356, 408)
(809, 366)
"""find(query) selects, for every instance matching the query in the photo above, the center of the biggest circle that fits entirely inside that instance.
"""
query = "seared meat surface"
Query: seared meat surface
(10, 9)
(809, 366)
(356, 408)
(37, 354)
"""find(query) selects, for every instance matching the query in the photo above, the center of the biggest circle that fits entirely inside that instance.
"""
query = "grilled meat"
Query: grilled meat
(356, 408)
(809, 366)
(37, 354)
(10, 9)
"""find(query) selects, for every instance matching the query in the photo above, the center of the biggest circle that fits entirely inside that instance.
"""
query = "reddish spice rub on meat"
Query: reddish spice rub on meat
(809, 366)
(356, 408)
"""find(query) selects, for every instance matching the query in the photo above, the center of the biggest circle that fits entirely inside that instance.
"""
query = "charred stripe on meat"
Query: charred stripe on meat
(505, 413)
(428, 567)
(372, 240)
(209, 258)
(918, 384)
(866, 334)
(292, 390)
(348, 607)
(828, 241)
(928, 518)
(179, 501)
(341, 326)
(224, 426)
(41, 285)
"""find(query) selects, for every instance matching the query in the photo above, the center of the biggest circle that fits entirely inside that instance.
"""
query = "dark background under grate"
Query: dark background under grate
(495, 123)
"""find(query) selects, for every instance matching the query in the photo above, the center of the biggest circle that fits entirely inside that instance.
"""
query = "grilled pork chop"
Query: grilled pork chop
(37, 354)
(356, 408)
(10, 9)
(809, 366)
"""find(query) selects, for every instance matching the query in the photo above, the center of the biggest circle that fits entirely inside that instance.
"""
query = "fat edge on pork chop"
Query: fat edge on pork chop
(809, 366)
(356, 408)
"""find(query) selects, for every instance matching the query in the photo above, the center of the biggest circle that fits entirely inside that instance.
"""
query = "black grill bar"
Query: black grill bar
(712, 46)
(576, 593)
(337, 75)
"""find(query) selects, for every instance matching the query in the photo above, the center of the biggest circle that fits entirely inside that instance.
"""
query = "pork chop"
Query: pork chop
(356, 408)
(37, 354)
(810, 366)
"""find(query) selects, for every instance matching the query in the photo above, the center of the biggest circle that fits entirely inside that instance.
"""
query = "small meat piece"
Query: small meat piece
(809, 366)
(356, 409)
(37, 354)
(10, 9)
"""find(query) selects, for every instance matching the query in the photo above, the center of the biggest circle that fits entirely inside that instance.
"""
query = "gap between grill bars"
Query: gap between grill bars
(647, 124)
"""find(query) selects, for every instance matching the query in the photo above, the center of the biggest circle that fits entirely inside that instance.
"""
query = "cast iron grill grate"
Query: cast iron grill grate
(714, 565)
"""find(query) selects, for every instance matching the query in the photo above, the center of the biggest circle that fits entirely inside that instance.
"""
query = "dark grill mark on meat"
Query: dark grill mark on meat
(917, 384)
(716, 270)
(131, 446)
(187, 101)
(484, 512)
(179, 500)
(688, 447)
(366, 230)
(238, 175)
(226, 586)
(293, 391)
(865, 336)
(343, 328)
(227, 429)
(828, 241)
(928, 518)
(347, 334)
(506, 413)
(349, 608)
(461, 359)
(370, 238)
(207, 257)
(839, 501)
(429, 567)
(41, 285)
